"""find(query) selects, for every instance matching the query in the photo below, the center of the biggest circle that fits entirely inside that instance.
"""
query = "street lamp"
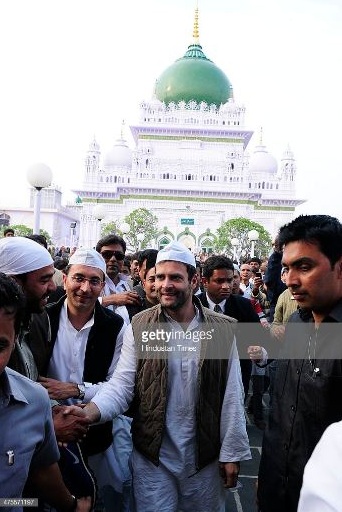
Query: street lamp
(125, 228)
(99, 212)
(253, 236)
(140, 238)
(39, 176)
(235, 243)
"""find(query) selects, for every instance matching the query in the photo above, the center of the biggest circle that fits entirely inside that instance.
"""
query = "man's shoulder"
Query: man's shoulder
(208, 314)
(240, 300)
(31, 391)
(147, 313)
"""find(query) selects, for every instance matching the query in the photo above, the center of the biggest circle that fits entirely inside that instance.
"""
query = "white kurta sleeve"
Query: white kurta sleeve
(115, 395)
(234, 439)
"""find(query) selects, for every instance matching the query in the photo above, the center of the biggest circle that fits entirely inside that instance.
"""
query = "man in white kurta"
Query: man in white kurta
(175, 483)
(322, 482)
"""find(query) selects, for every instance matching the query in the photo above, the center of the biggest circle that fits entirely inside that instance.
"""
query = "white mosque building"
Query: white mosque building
(190, 165)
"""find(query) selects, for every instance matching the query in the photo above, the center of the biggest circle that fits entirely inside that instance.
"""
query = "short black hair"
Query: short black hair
(321, 230)
(8, 230)
(215, 263)
(257, 260)
(40, 239)
(111, 240)
(127, 261)
(151, 260)
(147, 254)
(12, 299)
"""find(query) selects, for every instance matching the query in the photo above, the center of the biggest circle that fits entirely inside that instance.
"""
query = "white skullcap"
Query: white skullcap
(19, 255)
(175, 251)
(89, 258)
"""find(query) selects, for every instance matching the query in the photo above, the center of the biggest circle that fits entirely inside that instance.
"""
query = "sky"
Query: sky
(75, 69)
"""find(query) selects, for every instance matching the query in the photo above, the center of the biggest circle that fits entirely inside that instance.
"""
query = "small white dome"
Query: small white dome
(263, 161)
(119, 156)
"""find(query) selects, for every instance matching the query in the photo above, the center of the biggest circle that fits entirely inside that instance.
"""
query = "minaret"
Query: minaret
(92, 161)
(288, 168)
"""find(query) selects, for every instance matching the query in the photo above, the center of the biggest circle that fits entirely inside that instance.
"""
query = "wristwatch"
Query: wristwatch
(74, 504)
(81, 391)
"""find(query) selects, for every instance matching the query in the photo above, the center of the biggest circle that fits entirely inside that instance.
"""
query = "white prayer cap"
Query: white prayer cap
(89, 258)
(175, 251)
(19, 255)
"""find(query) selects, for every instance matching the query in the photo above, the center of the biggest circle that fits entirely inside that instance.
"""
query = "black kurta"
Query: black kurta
(307, 398)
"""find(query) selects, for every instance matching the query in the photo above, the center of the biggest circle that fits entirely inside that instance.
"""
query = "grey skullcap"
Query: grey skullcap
(89, 258)
(175, 251)
(19, 255)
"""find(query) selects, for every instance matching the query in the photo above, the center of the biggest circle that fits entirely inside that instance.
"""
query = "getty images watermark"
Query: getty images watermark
(302, 341)
(166, 339)
(162, 340)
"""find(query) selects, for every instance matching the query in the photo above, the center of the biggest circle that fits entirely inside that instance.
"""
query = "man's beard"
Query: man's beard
(35, 305)
(181, 298)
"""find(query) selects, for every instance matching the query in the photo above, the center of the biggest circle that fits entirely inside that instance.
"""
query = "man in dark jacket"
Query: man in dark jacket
(272, 279)
(85, 344)
(218, 275)
(308, 381)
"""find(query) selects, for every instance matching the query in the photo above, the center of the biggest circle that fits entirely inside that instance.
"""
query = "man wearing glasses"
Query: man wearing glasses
(85, 344)
(116, 291)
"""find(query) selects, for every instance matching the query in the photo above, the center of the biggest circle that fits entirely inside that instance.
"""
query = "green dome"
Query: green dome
(193, 77)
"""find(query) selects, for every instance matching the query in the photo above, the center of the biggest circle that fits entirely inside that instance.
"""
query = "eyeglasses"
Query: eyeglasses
(107, 255)
(95, 282)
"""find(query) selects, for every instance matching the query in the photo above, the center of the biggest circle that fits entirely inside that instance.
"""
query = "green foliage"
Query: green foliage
(141, 221)
(110, 228)
(47, 236)
(239, 228)
(22, 230)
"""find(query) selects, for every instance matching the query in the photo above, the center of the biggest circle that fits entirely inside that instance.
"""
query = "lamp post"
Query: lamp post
(140, 238)
(235, 243)
(39, 176)
(253, 236)
(125, 229)
(99, 212)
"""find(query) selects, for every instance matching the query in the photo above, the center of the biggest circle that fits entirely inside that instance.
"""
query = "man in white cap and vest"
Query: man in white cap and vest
(179, 368)
(84, 348)
(31, 266)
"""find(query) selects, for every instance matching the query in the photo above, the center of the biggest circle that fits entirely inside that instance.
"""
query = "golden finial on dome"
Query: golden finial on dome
(195, 33)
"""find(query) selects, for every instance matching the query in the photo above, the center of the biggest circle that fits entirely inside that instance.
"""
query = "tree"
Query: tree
(110, 228)
(141, 222)
(22, 230)
(239, 228)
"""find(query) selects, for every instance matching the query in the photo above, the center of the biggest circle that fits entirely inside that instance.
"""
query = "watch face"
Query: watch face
(81, 389)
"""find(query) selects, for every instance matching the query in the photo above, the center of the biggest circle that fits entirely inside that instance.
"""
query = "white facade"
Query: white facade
(191, 169)
(190, 166)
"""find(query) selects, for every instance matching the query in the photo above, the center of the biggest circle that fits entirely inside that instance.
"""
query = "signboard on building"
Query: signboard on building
(187, 222)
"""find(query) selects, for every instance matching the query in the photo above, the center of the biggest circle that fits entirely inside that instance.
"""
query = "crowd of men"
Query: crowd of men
(127, 379)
